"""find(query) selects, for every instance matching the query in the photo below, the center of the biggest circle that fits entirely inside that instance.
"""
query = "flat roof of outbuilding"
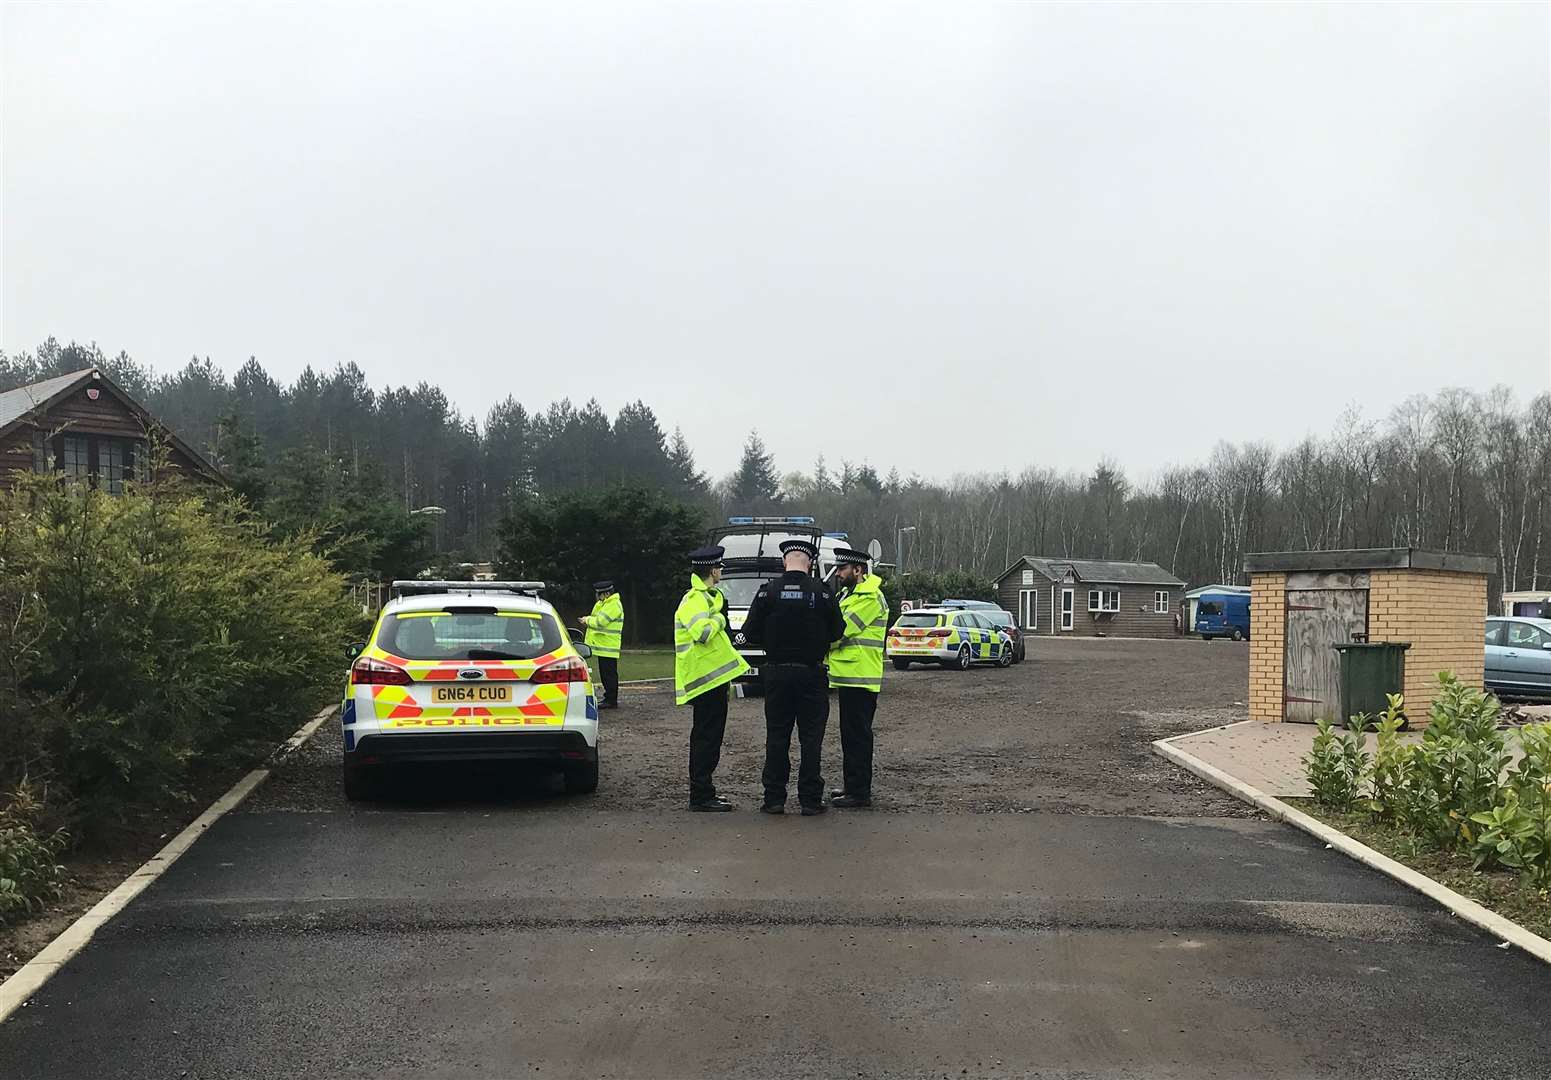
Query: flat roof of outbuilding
(1265, 562)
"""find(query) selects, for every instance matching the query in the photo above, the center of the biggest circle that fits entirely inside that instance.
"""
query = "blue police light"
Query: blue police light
(740, 521)
(799, 521)
(838, 535)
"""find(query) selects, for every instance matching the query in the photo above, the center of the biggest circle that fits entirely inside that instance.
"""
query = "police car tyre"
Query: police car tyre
(964, 661)
(1238, 635)
(901, 665)
(1004, 656)
(362, 783)
(582, 779)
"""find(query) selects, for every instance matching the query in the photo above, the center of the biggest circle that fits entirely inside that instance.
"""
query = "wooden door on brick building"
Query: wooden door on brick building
(1316, 620)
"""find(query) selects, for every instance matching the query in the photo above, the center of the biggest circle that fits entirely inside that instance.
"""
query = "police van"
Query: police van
(753, 557)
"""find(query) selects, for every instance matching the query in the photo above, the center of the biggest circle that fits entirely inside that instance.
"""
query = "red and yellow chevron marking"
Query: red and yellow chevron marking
(545, 706)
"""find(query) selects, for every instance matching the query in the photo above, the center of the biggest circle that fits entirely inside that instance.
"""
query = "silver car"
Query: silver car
(1518, 657)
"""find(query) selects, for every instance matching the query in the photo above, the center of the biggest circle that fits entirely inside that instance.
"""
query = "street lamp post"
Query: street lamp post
(899, 546)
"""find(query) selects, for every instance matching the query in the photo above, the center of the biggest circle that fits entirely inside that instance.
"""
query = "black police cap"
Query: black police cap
(851, 555)
(602, 586)
(807, 547)
(707, 556)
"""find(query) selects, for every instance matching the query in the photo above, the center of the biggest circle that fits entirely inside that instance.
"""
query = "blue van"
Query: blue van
(1223, 615)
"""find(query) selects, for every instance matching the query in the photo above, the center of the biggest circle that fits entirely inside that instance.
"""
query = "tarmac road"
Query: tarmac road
(1128, 923)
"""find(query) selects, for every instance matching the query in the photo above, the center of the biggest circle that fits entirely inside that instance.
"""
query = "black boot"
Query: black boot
(850, 802)
(714, 805)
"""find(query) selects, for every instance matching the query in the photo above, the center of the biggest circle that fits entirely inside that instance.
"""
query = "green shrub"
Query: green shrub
(148, 635)
(1447, 791)
(1337, 763)
(30, 874)
(1457, 767)
(1516, 831)
(1390, 772)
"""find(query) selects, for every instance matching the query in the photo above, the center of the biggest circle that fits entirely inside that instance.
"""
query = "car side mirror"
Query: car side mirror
(1546, 645)
(583, 650)
(354, 649)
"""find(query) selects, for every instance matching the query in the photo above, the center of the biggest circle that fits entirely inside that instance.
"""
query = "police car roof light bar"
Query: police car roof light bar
(799, 520)
(427, 588)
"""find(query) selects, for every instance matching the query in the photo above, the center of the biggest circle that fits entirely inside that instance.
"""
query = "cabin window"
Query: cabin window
(101, 460)
(1103, 599)
(1160, 602)
(75, 456)
(113, 464)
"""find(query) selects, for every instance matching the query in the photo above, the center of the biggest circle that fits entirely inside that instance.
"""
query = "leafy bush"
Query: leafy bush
(1391, 768)
(1458, 765)
(1448, 790)
(30, 874)
(147, 635)
(1337, 764)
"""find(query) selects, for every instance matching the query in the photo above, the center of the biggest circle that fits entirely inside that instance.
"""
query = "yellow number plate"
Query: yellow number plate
(464, 694)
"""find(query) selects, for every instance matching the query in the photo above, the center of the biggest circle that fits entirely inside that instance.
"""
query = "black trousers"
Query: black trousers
(608, 669)
(705, 742)
(857, 707)
(795, 695)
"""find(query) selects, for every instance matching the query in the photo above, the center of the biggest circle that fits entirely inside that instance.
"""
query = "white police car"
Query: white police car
(949, 637)
(469, 671)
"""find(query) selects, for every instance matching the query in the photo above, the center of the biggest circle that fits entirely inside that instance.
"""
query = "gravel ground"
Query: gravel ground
(1067, 731)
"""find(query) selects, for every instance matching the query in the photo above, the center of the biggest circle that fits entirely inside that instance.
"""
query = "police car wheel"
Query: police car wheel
(1238, 635)
(965, 658)
(582, 779)
(1004, 658)
(362, 784)
(901, 665)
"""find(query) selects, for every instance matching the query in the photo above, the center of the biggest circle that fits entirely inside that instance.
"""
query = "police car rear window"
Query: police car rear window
(463, 635)
(919, 620)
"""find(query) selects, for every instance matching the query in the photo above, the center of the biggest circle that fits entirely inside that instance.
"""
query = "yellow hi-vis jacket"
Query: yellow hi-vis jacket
(703, 656)
(605, 625)
(856, 660)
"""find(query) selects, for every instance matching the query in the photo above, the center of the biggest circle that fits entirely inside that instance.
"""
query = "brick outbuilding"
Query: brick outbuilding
(1304, 602)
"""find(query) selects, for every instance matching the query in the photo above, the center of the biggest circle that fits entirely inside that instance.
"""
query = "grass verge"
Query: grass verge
(1496, 890)
(646, 664)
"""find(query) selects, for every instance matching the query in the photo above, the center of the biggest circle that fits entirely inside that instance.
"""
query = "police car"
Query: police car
(469, 671)
(950, 637)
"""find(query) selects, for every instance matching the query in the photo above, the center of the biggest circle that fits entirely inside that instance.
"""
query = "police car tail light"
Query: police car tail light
(939, 633)
(572, 669)
(369, 672)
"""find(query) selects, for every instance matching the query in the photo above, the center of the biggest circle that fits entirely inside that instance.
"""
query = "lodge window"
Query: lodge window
(1103, 600)
(1160, 602)
(100, 460)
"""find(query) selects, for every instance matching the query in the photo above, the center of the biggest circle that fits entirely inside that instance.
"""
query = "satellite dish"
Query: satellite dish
(874, 550)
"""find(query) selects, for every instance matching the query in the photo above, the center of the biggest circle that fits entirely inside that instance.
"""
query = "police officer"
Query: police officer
(605, 629)
(794, 617)
(704, 662)
(856, 672)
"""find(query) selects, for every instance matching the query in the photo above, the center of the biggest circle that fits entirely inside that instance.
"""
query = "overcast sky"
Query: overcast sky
(1071, 226)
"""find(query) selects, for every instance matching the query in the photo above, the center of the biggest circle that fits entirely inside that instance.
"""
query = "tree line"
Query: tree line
(1460, 470)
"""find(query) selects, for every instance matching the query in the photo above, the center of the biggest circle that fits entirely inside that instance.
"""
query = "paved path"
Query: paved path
(530, 935)
(1269, 757)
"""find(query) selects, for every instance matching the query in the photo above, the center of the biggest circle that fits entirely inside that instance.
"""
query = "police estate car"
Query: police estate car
(469, 671)
(951, 637)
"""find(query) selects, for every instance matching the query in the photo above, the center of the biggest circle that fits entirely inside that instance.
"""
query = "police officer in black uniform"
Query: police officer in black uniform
(794, 618)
